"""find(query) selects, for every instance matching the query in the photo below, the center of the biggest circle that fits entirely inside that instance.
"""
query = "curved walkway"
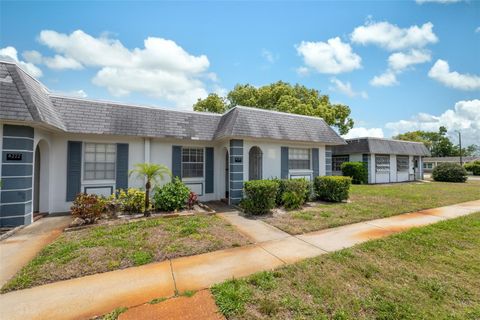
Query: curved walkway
(19, 249)
(98, 294)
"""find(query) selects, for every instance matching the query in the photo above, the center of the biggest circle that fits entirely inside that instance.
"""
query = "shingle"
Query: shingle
(381, 146)
(259, 123)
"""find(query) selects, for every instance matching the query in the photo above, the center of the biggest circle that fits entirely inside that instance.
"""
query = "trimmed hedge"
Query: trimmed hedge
(355, 170)
(473, 167)
(301, 187)
(332, 188)
(259, 196)
(292, 200)
(449, 172)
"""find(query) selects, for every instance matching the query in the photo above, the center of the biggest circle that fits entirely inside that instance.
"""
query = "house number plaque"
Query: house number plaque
(14, 157)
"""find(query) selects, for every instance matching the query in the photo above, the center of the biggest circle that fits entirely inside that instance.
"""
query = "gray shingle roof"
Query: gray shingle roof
(13, 107)
(26, 99)
(451, 159)
(381, 146)
(259, 123)
(85, 116)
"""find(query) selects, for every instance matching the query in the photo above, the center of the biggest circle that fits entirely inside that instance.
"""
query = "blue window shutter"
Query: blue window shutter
(208, 170)
(177, 161)
(121, 175)
(284, 163)
(315, 164)
(74, 169)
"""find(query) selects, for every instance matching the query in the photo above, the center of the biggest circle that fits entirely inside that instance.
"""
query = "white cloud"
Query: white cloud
(386, 79)
(161, 69)
(391, 37)
(269, 56)
(437, 1)
(333, 56)
(32, 56)
(302, 71)
(465, 116)
(441, 72)
(397, 63)
(346, 88)
(10, 53)
(59, 62)
(74, 93)
(361, 132)
(400, 60)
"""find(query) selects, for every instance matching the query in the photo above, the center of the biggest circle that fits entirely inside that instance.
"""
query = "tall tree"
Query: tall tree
(212, 103)
(437, 142)
(281, 96)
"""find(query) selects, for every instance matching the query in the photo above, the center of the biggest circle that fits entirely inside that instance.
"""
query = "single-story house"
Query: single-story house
(429, 163)
(54, 147)
(387, 160)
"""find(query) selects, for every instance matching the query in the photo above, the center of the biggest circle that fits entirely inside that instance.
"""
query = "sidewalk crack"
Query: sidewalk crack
(173, 277)
(258, 244)
(313, 245)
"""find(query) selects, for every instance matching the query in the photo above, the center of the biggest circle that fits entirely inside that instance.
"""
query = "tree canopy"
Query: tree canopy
(281, 96)
(438, 143)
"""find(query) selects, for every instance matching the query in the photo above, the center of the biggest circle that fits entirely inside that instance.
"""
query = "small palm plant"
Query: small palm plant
(152, 173)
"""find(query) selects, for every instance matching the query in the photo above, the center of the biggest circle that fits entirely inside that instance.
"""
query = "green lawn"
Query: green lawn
(431, 272)
(369, 202)
(105, 248)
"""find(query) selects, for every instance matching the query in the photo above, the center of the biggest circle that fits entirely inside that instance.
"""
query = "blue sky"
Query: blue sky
(425, 55)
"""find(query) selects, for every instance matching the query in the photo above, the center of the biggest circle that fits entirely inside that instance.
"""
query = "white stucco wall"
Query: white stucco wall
(271, 162)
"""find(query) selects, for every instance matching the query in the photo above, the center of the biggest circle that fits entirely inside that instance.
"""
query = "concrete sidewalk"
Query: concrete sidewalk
(98, 294)
(17, 250)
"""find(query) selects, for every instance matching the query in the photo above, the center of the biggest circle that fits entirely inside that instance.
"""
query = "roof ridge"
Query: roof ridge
(386, 139)
(133, 105)
(24, 93)
(280, 112)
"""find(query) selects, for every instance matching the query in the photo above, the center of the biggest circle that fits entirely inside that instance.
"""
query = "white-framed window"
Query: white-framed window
(382, 163)
(337, 162)
(99, 161)
(402, 163)
(192, 162)
(299, 159)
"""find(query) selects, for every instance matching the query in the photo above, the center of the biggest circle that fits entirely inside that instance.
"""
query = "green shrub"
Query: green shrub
(355, 170)
(259, 196)
(473, 167)
(111, 205)
(332, 188)
(87, 207)
(172, 196)
(292, 200)
(301, 187)
(132, 201)
(449, 172)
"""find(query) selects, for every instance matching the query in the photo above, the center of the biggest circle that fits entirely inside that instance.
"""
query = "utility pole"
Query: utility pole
(460, 143)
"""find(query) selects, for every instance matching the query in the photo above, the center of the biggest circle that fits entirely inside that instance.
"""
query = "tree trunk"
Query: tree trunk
(147, 199)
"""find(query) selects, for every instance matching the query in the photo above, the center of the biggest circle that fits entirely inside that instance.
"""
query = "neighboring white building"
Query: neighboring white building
(429, 163)
(54, 147)
(387, 160)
